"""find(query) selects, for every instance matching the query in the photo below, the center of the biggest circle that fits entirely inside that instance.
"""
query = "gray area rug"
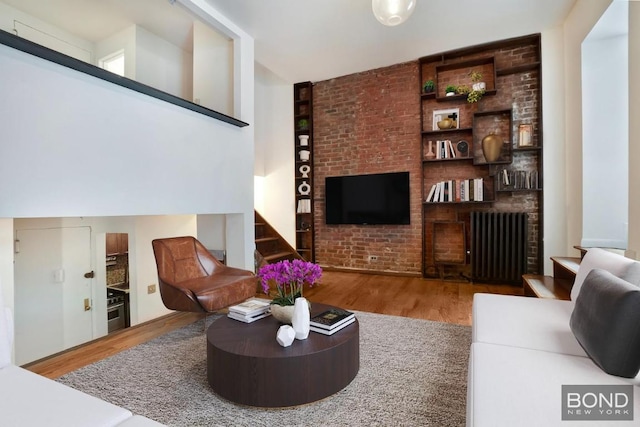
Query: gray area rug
(412, 373)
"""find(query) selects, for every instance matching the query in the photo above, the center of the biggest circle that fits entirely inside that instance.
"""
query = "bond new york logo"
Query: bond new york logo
(597, 402)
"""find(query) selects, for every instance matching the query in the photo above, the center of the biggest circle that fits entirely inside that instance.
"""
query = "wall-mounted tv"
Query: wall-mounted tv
(368, 199)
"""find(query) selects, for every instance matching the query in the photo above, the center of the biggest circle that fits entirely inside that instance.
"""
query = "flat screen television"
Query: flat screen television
(368, 199)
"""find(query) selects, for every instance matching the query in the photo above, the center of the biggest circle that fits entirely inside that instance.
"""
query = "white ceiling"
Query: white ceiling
(314, 40)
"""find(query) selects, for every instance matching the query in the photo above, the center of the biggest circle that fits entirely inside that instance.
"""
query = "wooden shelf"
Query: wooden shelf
(534, 66)
(463, 96)
(445, 131)
(303, 110)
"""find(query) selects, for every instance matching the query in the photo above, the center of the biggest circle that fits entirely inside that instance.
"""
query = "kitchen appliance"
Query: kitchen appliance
(116, 310)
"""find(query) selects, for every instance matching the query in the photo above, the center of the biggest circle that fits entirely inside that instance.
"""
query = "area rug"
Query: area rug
(412, 373)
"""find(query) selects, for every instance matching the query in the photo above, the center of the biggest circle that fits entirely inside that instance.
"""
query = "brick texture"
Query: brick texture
(370, 122)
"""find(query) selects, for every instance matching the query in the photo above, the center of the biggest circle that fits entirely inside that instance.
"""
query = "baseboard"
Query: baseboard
(363, 271)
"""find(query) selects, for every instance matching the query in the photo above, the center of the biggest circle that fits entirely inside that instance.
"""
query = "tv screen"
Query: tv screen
(368, 199)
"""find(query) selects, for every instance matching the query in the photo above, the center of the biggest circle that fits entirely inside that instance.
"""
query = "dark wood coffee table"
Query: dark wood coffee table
(246, 365)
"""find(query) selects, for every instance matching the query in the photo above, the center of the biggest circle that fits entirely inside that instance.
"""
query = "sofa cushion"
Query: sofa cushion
(599, 258)
(28, 399)
(606, 322)
(510, 386)
(540, 324)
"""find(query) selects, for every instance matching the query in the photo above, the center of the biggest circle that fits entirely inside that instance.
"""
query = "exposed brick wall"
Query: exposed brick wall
(368, 123)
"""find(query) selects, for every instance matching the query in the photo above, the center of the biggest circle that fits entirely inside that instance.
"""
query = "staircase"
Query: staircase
(270, 245)
(557, 286)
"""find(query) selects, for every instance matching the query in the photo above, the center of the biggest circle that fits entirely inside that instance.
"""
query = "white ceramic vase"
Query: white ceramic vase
(300, 319)
(304, 140)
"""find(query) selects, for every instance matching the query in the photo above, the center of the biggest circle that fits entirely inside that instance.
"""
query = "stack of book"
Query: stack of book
(250, 310)
(466, 190)
(331, 321)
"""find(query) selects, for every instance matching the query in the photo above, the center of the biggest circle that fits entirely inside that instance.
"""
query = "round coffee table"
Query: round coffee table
(246, 365)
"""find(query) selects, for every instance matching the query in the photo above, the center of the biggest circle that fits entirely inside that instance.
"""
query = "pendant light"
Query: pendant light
(392, 12)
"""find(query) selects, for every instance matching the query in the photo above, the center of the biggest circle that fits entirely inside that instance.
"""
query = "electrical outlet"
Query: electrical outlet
(373, 258)
(151, 289)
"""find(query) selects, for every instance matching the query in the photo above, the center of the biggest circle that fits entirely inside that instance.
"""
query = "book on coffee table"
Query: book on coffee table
(247, 319)
(331, 319)
(334, 330)
(251, 307)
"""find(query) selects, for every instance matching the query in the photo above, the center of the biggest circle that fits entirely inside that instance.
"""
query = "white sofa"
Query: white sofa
(28, 399)
(523, 351)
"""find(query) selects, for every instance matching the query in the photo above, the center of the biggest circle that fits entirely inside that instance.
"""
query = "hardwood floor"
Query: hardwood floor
(428, 299)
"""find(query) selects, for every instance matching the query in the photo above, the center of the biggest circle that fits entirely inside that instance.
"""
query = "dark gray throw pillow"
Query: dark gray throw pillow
(606, 323)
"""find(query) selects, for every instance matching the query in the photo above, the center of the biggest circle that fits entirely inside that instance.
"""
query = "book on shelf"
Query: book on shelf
(251, 307)
(331, 319)
(334, 330)
(247, 319)
(431, 193)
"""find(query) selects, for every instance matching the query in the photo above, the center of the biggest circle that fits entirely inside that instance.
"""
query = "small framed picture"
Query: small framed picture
(440, 117)
(525, 136)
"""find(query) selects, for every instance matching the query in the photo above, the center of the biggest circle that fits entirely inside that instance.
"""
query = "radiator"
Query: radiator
(498, 246)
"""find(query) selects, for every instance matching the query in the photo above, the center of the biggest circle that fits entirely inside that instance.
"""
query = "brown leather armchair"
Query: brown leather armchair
(191, 279)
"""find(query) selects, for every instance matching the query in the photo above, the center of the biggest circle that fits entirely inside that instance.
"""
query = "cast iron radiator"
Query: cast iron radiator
(499, 246)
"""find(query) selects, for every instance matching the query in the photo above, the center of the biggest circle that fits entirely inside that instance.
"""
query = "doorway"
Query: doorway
(52, 294)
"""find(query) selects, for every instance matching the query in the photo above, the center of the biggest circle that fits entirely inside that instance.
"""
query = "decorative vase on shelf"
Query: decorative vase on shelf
(300, 318)
(282, 313)
(304, 140)
(304, 155)
(491, 147)
(430, 155)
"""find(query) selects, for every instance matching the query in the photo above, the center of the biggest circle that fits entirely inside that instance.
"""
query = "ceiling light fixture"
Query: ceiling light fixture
(392, 12)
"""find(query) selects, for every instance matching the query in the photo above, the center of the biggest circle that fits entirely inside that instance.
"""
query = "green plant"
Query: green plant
(475, 95)
(450, 89)
(303, 124)
(475, 76)
(463, 89)
(428, 86)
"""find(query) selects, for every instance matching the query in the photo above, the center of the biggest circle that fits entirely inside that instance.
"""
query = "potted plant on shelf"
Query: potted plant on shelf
(450, 90)
(303, 124)
(289, 278)
(428, 86)
(478, 87)
(463, 90)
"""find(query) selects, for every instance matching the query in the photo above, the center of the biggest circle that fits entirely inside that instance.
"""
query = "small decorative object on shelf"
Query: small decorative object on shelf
(304, 188)
(289, 278)
(524, 136)
(478, 88)
(304, 155)
(428, 86)
(304, 170)
(491, 147)
(450, 90)
(303, 124)
(304, 140)
(463, 147)
(430, 155)
(446, 119)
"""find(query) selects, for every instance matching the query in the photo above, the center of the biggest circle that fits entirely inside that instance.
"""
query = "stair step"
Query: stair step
(536, 285)
(267, 239)
(565, 267)
(278, 255)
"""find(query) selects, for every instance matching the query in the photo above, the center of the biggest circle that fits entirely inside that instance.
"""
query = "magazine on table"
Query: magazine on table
(251, 307)
(334, 330)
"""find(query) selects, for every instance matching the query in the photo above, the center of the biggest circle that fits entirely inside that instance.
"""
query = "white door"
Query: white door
(50, 291)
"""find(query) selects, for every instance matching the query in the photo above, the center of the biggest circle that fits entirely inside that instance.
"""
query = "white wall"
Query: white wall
(275, 152)
(122, 40)
(578, 24)
(605, 147)
(161, 65)
(212, 69)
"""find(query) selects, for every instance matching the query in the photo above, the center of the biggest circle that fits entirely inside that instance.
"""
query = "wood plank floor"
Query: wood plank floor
(428, 299)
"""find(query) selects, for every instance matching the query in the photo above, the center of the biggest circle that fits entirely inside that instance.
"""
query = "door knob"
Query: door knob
(89, 275)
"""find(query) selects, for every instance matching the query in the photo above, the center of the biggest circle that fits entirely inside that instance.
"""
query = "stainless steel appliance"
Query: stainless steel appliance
(116, 310)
